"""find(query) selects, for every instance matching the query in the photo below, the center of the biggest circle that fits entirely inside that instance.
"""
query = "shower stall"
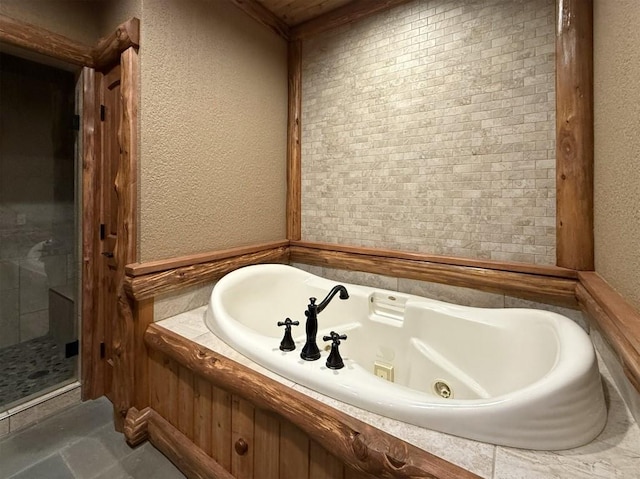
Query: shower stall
(38, 230)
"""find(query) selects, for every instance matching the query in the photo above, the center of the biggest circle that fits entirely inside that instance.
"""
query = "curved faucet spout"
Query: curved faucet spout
(310, 351)
(338, 288)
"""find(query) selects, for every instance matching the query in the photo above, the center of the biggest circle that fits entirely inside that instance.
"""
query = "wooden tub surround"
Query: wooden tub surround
(216, 418)
(235, 419)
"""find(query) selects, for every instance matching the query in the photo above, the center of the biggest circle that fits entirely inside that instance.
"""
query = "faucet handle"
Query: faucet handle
(287, 343)
(288, 323)
(335, 337)
(334, 361)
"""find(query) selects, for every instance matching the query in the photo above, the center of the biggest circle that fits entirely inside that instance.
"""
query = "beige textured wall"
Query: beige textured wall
(115, 12)
(617, 144)
(431, 128)
(75, 19)
(214, 112)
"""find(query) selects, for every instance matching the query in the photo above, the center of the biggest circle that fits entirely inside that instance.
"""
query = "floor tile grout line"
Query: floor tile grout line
(45, 458)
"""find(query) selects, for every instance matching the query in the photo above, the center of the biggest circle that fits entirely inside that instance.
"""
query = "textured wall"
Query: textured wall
(213, 144)
(115, 12)
(617, 144)
(431, 128)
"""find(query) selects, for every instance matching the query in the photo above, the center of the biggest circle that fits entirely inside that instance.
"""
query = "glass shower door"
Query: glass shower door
(38, 266)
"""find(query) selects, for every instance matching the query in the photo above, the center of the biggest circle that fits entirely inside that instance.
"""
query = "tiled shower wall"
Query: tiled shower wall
(431, 128)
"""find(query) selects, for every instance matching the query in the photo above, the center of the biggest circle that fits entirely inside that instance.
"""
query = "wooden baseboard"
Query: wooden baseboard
(189, 458)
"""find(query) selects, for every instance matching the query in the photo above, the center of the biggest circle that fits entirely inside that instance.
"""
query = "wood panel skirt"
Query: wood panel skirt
(216, 418)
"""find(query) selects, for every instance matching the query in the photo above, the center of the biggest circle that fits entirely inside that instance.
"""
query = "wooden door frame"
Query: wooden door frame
(92, 60)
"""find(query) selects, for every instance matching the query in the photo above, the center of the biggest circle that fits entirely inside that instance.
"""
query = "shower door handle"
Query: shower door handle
(107, 254)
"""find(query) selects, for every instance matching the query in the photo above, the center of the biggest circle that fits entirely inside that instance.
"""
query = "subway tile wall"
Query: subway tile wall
(431, 128)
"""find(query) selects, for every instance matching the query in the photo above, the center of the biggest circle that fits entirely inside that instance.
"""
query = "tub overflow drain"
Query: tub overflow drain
(442, 389)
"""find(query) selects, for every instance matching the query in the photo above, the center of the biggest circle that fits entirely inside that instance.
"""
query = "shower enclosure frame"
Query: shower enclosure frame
(101, 285)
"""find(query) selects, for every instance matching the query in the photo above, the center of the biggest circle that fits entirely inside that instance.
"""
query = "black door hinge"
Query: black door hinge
(103, 112)
(102, 351)
(75, 123)
(102, 231)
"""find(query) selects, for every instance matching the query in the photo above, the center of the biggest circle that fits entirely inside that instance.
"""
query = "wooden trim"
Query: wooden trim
(294, 131)
(147, 286)
(135, 426)
(92, 371)
(180, 450)
(358, 445)
(618, 321)
(533, 287)
(513, 267)
(614, 305)
(349, 13)
(125, 248)
(574, 134)
(107, 53)
(36, 39)
(625, 353)
(126, 178)
(262, 15)
(142, 317)
(140, 269)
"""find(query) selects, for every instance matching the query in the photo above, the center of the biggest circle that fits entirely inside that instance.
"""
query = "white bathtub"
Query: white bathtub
(517, 377)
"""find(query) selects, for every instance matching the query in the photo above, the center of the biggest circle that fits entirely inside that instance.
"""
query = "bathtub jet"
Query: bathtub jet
(514, 377)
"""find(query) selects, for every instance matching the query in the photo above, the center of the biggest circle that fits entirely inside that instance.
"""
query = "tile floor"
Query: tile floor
(80, 443)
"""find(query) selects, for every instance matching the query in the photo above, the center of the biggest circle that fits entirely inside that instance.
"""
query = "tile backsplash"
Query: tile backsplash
(430, 127)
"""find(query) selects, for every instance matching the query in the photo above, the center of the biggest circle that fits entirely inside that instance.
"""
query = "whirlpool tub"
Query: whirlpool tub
(515, 377)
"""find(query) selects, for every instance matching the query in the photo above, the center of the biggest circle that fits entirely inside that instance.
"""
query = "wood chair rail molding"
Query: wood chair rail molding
(536, 283)
(616, 319)
(219, 264)
(141, 269)
(360, 446)
(514, 267)
(105, 54)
